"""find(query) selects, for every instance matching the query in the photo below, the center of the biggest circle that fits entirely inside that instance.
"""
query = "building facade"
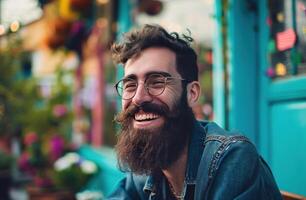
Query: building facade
(260, 82)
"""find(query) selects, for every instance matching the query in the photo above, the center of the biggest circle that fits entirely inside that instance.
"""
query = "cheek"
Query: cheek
(174, 92)
(171, 96)
(124, 104)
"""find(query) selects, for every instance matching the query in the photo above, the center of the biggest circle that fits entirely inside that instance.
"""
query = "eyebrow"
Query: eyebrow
(166, 74)
(133, 76)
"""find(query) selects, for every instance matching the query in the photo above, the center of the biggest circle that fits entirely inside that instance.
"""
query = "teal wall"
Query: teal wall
(219, 90)
(264, 81)
(235, 101)
(243, 67)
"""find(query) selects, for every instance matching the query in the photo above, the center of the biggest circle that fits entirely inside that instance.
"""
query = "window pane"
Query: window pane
(287, 43)
(301, 31)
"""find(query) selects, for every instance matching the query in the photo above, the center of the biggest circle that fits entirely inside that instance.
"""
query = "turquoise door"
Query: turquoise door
(283, 93)
(285, 135)
(260, 81)
(288, 144)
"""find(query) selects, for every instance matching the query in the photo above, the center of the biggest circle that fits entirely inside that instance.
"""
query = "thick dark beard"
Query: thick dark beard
(143, 151)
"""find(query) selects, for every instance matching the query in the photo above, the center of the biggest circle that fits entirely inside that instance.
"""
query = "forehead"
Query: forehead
(154, 59)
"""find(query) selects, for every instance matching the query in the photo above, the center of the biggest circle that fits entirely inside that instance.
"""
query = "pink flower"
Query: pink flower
(30, 138)
(24, 163)
(59, 110)
(57, 146)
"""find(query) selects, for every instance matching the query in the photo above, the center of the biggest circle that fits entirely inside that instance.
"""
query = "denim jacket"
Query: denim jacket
(220, 166)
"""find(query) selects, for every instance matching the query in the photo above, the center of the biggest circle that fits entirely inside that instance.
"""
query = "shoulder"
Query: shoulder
(222, 139)
(233, 151)
(219, 143)
(231, 165)
(226, 152)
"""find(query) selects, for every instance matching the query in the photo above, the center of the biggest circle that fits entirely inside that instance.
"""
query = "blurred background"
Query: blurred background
(57, 100)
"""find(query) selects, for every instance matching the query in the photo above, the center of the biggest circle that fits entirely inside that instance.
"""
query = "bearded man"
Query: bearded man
(165, 151)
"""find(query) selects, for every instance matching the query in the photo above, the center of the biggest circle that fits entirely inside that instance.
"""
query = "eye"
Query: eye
(129, 85)
(156, 82)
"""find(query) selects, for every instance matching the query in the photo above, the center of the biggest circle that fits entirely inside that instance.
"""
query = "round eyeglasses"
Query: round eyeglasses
(154, 84)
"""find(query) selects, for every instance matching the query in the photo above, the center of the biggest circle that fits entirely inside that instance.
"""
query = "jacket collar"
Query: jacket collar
(195, 149)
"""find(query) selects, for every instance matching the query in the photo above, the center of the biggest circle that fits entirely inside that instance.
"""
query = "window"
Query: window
(287, 42)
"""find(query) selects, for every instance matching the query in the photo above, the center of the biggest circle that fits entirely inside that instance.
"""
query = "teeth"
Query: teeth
(145, 116)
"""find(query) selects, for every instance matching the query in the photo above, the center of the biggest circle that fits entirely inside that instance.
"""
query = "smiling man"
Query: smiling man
(165, 151)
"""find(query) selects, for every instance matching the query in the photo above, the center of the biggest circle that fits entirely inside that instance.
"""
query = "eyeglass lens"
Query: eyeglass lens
(154, 84)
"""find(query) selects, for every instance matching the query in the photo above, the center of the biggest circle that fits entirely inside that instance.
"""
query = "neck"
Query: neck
(176, 175)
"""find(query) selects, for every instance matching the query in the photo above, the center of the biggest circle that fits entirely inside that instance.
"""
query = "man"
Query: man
(167, 153)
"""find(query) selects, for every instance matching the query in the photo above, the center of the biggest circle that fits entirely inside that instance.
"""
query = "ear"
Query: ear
(193, 92)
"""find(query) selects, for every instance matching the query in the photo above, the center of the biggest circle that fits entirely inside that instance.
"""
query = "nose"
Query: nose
(141, 95)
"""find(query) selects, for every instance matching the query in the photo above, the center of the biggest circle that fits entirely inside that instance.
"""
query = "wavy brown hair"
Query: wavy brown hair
(134, 42)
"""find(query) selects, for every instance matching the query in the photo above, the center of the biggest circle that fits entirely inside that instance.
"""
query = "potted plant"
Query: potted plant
(72, 172)
(6, 162)
(68, 175)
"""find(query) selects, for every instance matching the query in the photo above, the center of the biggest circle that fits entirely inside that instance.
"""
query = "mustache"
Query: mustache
(146, 107)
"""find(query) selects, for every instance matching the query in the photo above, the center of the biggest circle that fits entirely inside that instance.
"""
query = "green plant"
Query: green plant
(18, 93)
(72, 172)
(47, 131)
(6, 161)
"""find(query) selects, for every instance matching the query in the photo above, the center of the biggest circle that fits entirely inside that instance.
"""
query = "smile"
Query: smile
(146, 116)
(147, 120)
